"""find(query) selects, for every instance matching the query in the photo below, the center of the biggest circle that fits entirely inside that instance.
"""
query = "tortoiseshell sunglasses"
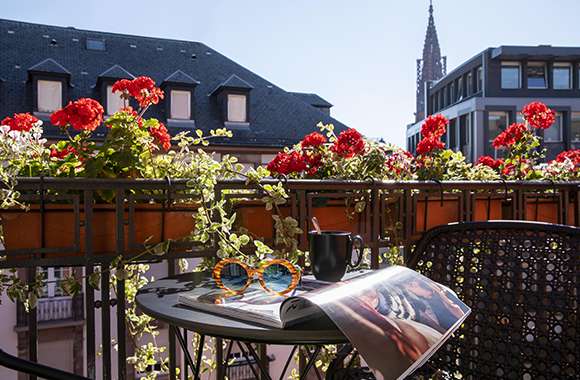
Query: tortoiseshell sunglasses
(277, 275)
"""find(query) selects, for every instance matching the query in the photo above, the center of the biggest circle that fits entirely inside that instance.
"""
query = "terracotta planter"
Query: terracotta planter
(22, 229)
(547, 210)
(483, 205)
(336, 216)
(253, 216)
(438, 212)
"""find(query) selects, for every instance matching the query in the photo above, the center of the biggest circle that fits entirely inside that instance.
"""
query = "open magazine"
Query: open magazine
(396, 309)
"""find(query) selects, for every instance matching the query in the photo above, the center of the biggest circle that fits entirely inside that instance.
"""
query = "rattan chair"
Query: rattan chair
(522, 282)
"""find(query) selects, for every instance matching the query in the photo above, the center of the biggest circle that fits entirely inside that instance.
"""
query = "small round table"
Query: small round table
(158, 299)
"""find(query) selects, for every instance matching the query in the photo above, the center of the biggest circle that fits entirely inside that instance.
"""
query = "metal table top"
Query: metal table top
(159, 300)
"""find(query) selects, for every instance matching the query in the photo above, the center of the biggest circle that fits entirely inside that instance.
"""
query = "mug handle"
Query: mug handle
(358, 244)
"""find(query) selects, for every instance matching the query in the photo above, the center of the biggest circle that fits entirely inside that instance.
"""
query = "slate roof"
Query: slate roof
(49, 65)
(116, 72)
(312, 99)
(180, 77)
(277, 117)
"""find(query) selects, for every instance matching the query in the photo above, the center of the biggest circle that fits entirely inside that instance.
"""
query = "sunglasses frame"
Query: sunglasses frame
(259, 271)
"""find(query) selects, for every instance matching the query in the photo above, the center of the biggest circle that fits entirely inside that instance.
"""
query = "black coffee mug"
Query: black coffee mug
(331, 252)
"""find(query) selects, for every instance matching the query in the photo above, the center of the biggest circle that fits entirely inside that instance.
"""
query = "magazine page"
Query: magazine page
(395, 317)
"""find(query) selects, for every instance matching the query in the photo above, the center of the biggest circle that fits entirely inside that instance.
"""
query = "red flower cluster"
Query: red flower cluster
(313, 139)
(84, 114)
(314, 162)
(348, 143)
(490, 161)
(286, 163)
(510, 136)
(429, 144)
(62, 154)
(434, 126)
(142, 88)
(572, 155)
(161, 136)
(20, 122)
(539, 115)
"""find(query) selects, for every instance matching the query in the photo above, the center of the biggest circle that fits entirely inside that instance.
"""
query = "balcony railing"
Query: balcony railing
(396, 214)
(53, 309)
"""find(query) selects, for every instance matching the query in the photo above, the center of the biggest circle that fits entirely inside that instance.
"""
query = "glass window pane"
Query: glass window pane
(562, 77)
(537, 75)
(554, 133)
(114, 101)
(460, 88)
(575, 127)
(180, 104)
(453, 133)
(469, 84)
(49, 95)
(237, 108)
(497, 121)
(510, 76)
(479, 79)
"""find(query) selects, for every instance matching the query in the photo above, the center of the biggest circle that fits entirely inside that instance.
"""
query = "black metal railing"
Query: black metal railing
(394, 214)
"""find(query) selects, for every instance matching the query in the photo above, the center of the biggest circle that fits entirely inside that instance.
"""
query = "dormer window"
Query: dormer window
(49, 95)
(180, 108)
(105, 81)
(49, 81)
(179, 90)
(114, 101)
(233, 97)
(237, 108)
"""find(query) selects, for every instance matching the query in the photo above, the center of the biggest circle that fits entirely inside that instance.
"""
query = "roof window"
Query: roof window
(96, 44)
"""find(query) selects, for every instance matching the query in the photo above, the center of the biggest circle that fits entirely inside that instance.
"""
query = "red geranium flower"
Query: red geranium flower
(490, 161)
(348, 143)
(434, 126)
(84, 114)
(539, 115)
(142, 88)
(429, 144)
(572, 155)
(313, 139)
(20, 122)
(62, 154)
(510, 136)
(161, 136)
(286, 163)
(314, 162)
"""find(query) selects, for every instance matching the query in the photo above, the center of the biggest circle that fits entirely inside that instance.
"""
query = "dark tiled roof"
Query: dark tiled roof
(276, 117)
(116, 72)
(233, 82)
(180, 77)
(49, 65)
(312, 99)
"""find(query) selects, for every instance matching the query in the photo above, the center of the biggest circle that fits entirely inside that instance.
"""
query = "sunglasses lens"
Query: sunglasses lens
(234, 276)
(277, 277)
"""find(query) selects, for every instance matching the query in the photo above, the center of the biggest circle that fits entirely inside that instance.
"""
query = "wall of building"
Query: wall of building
(8, 337)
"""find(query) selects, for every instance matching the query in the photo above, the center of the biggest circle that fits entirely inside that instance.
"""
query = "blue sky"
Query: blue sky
(359, 55)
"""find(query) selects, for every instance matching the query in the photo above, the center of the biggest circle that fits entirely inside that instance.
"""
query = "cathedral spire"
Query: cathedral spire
(431, 66)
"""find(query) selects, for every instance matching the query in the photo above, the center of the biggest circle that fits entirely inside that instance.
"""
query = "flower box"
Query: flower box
(548, 209)
(433, 211)
(65, 230)
(253, 217)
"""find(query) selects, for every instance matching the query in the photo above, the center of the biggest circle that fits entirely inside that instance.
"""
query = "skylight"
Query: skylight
(96, 44)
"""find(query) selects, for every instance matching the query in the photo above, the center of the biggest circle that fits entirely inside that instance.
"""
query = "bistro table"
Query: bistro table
(158, 299)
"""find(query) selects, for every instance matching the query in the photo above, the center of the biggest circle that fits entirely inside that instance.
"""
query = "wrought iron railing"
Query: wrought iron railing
(394, 214)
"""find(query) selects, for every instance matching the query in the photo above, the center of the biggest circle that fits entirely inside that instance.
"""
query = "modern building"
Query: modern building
(42, 67)
(484, 95)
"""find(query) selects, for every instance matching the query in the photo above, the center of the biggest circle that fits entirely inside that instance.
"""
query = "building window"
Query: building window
(53, 278)
(510, 75)
(114, 101)
(96, 44)
(469, 84)
(49, 94)
(497, 121)
(459, 89)
(537, 75)
(554, 133)
(575, 127)
(464, 129)
(479, 79)
(562, 73)
(452, 93)
(453, 134)
(180, 105)
(237, 108)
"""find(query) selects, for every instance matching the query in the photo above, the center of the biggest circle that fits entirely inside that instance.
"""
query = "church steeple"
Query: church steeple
(431, 66)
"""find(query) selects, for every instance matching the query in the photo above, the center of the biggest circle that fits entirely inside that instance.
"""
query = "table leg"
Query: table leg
(183, 343)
